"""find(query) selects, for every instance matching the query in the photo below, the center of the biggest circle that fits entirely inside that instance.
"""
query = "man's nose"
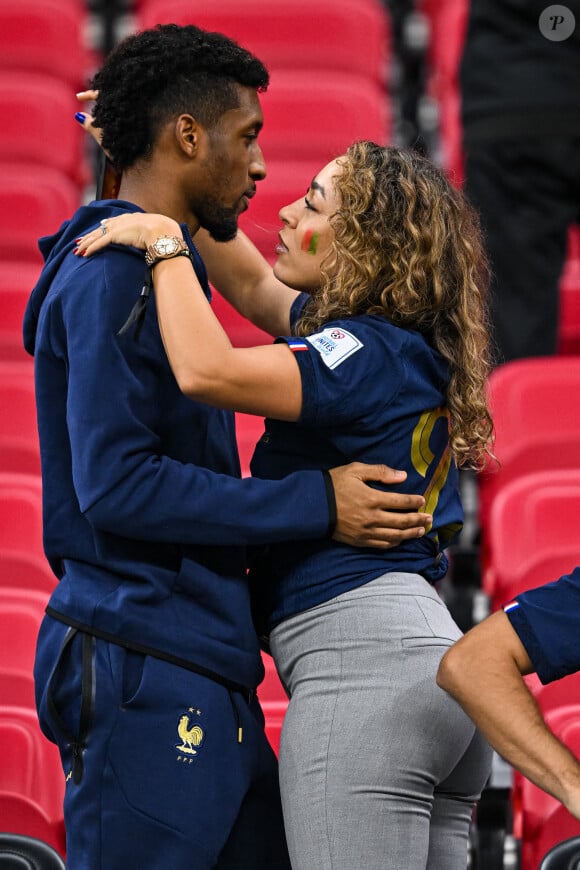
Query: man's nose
(258, 165)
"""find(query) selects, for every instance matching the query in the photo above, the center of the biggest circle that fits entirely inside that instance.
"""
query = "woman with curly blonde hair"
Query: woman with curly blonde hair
(378, 291)
(407, 247)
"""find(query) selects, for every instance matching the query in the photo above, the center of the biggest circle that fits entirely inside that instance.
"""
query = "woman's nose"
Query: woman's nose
(287, 214)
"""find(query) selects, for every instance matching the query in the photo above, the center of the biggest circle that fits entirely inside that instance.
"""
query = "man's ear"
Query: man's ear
(187, 134)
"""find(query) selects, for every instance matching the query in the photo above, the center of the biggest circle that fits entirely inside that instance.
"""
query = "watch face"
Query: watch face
(166, 245)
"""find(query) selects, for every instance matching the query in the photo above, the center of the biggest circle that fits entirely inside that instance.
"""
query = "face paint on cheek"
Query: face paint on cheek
(310, 242)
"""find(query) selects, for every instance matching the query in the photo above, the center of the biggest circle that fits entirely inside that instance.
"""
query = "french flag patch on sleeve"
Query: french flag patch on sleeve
(511, 606)
(296, 344)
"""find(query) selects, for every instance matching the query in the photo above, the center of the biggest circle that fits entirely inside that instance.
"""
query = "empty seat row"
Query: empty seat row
(21, 612)
(39, 129)
(47, 37)
(17, 278)
(529, 534)
(540, 821)
(526, 497)
(536, 418)
(341, 35)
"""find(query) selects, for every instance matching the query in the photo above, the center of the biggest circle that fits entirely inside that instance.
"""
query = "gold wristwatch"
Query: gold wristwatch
(164, 248)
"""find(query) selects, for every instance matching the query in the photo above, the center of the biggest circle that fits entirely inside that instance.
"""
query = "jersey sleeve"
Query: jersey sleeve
(123, 481)
(547, 621)
(348, 370)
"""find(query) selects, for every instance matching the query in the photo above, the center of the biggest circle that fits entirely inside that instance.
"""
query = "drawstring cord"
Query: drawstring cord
(236, 716)
(137, 314)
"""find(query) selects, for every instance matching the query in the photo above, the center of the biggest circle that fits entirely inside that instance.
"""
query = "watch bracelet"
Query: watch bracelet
(183, 253)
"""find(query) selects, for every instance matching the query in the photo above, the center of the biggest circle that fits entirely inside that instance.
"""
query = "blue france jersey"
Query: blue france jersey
(547, 621)
(374, 393)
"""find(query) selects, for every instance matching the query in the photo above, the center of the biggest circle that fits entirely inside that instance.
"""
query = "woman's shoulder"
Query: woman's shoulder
(366, 340)
(376, 327)
(374, 331)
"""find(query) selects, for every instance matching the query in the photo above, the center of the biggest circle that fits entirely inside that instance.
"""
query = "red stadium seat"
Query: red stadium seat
(21, 612)
(16, 687)
(249, 430)
(529, 536)
(25, 571)
(241, 332)
(38, 124)
(19, 448)
(343, 35)
(45, 36)
(274, 711)
(537, 422)
(16, 282)
(317, 124)
(31, 779)
(541, 567)
(271, 689)
(560, 693)
(23, 815)
(540, 819)
(34, 201)
(21, 513)
(274, 702)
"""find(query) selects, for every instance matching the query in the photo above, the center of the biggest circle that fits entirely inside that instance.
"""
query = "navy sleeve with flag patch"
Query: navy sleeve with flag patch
(547, 621)
(349, 369)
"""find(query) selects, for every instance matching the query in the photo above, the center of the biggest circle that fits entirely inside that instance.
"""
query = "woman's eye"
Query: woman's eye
(307, 204)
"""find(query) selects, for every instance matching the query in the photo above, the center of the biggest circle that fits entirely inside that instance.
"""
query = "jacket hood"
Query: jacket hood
(56, 247)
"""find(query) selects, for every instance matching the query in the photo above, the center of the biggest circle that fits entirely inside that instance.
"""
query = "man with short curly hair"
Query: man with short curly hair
(161, 74)
(148, 660)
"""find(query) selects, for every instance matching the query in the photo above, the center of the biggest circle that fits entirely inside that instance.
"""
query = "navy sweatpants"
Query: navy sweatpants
(156, 776)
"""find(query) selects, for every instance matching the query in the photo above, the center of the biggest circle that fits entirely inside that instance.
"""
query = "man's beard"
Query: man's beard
(220, 222)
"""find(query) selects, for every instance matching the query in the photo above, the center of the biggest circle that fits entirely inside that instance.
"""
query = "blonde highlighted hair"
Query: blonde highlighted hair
(408, 246)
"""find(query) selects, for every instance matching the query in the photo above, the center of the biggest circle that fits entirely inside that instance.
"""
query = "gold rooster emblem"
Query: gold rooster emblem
(190, 736)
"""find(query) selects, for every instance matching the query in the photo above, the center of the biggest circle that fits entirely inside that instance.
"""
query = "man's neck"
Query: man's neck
(155, 198)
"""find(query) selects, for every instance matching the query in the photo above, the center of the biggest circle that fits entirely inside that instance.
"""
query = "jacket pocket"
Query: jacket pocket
(70, 697)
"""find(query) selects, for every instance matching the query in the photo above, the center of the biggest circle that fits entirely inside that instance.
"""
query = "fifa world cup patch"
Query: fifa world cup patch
(334, 345)
(190, 734)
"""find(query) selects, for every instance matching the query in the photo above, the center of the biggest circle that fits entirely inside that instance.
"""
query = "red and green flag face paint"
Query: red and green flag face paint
(310, 242)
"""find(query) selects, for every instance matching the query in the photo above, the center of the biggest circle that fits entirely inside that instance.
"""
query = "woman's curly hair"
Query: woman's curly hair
(156, 74)
(408, 246)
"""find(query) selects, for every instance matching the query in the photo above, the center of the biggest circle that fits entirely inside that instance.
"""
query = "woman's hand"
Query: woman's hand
(136, 229)
(87, 123)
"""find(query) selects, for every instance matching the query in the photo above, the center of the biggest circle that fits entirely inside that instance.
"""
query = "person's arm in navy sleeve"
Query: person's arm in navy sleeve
(483, 672)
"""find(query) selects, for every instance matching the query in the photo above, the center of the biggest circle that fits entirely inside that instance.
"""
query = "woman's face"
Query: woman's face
(306, 236)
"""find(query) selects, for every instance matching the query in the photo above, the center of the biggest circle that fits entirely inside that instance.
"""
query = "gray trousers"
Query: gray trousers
(379, 768)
